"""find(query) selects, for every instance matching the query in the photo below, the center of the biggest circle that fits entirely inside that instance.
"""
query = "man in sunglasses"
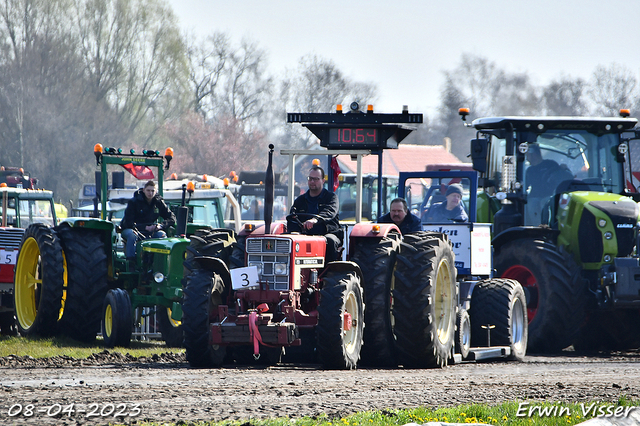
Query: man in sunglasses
(323, 205)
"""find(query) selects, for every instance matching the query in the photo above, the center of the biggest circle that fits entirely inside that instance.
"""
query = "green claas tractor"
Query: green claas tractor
(81, 272)
(567, 228)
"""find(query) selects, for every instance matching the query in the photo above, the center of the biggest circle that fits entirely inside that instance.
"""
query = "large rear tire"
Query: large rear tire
(117, 319)
(500, 303)
(425, 300)
(555, 292)
(202, 295)
(377, 258)
(339, 332)
(39, 281)
(86, 261)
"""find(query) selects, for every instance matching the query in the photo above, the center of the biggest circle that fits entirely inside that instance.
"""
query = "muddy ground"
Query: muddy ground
(109, 387)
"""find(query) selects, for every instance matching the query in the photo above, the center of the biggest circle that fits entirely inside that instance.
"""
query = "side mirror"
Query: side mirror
(479, 149)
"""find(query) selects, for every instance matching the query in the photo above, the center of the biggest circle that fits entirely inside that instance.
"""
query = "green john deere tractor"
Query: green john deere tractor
(81, 270)
(567, 228)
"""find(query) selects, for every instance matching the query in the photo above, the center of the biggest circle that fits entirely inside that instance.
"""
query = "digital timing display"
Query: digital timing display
(354, 136)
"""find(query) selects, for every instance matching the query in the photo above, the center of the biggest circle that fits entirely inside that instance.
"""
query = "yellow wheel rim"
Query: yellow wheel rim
(65, 284)
(108, 320)
(173, 322)
(350, 336)
(444, 300)
(28, 283)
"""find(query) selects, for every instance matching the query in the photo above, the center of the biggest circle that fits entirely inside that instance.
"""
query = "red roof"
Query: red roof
(407, 158)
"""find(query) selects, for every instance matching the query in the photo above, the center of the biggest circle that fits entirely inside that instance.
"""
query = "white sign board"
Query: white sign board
(459, 235)
(244, 278)
(471, 248)
(8, 257)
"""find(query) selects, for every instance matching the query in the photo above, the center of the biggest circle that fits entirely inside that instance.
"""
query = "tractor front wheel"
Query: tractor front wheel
(117, 320)
(339, 333)
(39, 281)
(202, 295)
(500, 306)
(170, 329)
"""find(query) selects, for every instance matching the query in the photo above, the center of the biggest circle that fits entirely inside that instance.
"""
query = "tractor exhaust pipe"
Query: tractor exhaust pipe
(269, 193)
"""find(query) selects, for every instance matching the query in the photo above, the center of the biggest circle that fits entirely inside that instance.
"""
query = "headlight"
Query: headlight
(158, 277)
(280, 269)
(258, 266)
(602, 223)
(608, 235)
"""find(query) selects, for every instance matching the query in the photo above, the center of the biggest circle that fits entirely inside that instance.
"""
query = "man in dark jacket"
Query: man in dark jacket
(324, 204)
(142, 212)
(400, 215)
(449, 210)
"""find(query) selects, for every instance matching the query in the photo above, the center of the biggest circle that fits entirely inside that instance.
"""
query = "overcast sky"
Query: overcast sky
(403, 46)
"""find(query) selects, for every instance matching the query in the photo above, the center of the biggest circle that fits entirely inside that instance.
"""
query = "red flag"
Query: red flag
(336, 172)
(140, 172)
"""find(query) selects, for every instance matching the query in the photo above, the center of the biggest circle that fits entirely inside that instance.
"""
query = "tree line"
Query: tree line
(74, 73)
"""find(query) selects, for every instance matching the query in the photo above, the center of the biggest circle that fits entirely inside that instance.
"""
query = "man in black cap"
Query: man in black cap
(400, 215)
(449, 210)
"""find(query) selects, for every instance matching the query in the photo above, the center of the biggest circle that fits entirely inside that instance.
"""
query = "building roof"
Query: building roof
(407, 158)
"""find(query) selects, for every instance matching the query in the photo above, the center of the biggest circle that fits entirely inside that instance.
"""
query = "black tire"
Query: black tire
(376, 258)
(341, 294)
(463, 333)
(425, 300)
(170, 329)
(217, 243)
(238, 252)
(500, 303)
(556, 294)
(86, 262)
(117, 319)
(202, 295)
(38, 307)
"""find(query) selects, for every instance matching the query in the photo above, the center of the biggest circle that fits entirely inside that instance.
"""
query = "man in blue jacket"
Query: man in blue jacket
(324, 204)
(142, 212)
(400, 215)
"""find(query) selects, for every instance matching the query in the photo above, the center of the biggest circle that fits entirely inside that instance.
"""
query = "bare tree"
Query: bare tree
(207, 62)
(317, 85)
(565, 97)
(134, 57)
(612, 88)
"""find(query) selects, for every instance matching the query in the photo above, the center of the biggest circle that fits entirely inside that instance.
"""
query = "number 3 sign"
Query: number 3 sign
(244, 278)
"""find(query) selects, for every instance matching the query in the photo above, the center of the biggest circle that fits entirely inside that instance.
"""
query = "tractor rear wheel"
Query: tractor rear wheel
(202, 295)
(555, 292)
(237, 254)
(339, 332)
(463, 333)
(209, 242)
(500, 303)
(425, 300)
(86, 267)
(117, 320)
(170, 329)
(39, 281)
(376, 258)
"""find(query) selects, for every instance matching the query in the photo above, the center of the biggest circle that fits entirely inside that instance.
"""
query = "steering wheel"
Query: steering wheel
(297, 219)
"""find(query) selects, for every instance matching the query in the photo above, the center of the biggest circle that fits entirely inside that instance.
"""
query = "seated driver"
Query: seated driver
(450, 209)
(322, 203)
(142, 212)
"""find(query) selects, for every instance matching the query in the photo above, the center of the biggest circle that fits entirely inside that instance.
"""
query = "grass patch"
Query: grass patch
(61, 346)
(503, 414)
